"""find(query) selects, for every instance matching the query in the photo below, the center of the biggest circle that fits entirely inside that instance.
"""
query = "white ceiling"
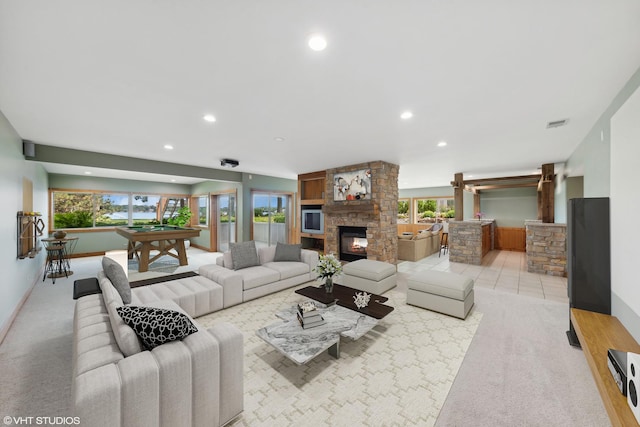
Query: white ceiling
(127, 77)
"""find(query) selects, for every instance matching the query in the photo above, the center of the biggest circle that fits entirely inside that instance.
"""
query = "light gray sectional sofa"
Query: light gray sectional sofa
(270, 271)
(194, 381)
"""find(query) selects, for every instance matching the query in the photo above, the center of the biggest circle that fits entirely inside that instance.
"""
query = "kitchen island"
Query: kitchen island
(470, 240)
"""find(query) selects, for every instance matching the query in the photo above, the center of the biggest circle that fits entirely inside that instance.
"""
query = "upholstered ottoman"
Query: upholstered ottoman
(375, 277)
(440, 291)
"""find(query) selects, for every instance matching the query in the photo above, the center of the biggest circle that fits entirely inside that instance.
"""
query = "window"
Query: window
(203, 210)
(404, 216)
(94, 209)
(433, 208)
(145, 209)
(86, 210)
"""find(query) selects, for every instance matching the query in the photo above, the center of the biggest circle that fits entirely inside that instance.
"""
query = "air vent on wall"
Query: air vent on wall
(557, 123)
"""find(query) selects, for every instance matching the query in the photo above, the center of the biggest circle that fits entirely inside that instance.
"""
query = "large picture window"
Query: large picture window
(94, 209)
(433, 209)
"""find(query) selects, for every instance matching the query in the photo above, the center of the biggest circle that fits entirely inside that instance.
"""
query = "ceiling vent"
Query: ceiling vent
(557, 123)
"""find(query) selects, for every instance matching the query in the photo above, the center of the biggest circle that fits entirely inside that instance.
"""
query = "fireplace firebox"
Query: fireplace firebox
(353, 243)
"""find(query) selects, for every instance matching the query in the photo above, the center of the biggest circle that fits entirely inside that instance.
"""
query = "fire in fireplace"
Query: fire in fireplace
(353, 243)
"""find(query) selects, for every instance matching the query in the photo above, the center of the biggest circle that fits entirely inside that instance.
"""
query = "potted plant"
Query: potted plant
(181, 218)
(328, 266)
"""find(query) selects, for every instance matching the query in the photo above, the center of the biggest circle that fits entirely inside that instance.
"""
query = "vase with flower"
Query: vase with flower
(479, 215)
(328, 266)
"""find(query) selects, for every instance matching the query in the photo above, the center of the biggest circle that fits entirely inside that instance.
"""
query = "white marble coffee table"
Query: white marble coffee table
(301, 345)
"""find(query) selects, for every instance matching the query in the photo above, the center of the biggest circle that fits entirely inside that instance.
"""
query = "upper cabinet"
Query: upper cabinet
(311, 188)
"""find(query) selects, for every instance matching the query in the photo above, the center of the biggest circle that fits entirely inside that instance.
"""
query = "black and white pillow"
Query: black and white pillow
(156, 326)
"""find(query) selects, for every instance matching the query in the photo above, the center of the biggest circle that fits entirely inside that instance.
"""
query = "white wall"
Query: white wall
(625, 205)
(18, 275)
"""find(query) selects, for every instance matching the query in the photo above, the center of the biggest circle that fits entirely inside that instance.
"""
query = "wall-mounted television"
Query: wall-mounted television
(312, 221)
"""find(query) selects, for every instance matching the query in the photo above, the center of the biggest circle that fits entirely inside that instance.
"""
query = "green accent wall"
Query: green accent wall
(510, 207)
(19, 275)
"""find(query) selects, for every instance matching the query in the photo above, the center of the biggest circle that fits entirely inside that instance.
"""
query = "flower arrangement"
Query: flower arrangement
(479, 215)
(328, 266)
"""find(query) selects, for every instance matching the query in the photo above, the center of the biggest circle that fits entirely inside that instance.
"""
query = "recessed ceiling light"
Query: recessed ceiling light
(406, 115)
(168, 147)
(278, 139)
(87, 173)
(173, 180)
(209, 118)
(317, 42)
(442, 144)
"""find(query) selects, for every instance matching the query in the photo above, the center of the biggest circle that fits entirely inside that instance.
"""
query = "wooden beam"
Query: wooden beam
(504, 178)
(458, 195)
(476, 204)
(496, 186)
(547, 193)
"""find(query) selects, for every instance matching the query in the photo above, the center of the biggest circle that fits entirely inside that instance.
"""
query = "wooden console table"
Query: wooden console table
(598, 333)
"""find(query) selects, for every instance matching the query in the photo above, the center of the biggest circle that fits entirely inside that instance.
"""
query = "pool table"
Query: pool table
(145, 238)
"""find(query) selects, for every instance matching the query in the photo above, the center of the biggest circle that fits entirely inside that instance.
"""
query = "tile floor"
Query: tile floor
(501, 270)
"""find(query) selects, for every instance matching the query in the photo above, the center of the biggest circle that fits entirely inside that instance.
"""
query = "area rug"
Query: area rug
(165, 264)
(397, 374)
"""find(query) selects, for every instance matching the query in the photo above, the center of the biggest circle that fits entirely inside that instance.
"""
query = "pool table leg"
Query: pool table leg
(144, 257)
(182, 252)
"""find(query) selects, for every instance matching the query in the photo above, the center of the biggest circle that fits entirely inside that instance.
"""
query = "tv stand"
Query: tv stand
(572, 336)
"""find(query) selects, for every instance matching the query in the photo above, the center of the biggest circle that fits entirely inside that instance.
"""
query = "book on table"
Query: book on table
(308, 309)
(310, 322)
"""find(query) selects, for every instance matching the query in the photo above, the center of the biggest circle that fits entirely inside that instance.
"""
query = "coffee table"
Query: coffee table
(302, 345)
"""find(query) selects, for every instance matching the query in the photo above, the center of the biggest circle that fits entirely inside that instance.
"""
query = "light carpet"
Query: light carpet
(397, 374)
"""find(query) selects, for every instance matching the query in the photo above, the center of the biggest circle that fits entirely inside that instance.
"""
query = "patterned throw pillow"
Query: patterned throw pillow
(156, 326)
(244, 254)
(285, 252)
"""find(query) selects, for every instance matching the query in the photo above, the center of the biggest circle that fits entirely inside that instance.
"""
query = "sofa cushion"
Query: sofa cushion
(126, 337)
(156, 326)
(266, 254)
(285, 252)
(244, 255)
(118, 278)
(253, 277)
(405, 236)
(288, 269)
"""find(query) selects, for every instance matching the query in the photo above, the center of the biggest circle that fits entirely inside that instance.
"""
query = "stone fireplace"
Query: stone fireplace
(353, 243)
(377, 213)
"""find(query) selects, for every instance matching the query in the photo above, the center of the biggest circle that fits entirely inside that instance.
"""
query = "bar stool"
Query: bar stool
(56, 265)
(444, 239)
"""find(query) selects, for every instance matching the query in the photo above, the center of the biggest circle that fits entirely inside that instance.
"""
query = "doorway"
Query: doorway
(271, 218)
(225, 220)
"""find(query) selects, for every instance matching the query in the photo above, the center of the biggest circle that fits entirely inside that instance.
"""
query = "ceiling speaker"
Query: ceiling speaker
(28, 149)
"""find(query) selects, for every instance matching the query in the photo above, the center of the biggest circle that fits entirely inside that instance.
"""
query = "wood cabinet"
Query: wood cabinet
(486, 239)
(311, 194)
(510, 239)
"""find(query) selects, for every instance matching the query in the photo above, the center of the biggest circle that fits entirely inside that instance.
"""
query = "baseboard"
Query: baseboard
(5, 328)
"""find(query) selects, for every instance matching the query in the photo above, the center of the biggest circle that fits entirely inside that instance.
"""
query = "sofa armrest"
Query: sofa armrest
(310, 258)
(231, 342)
(230, 280)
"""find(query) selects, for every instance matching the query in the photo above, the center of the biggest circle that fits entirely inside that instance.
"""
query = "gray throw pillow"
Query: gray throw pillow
(244, 254)
(118, 278)
(285, 252)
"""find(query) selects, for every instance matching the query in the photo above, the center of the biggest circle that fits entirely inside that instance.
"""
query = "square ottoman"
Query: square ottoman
(374, 277)
(441, 291)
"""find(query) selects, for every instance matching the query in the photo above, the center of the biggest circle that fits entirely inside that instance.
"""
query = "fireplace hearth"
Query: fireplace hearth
(353, 243)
